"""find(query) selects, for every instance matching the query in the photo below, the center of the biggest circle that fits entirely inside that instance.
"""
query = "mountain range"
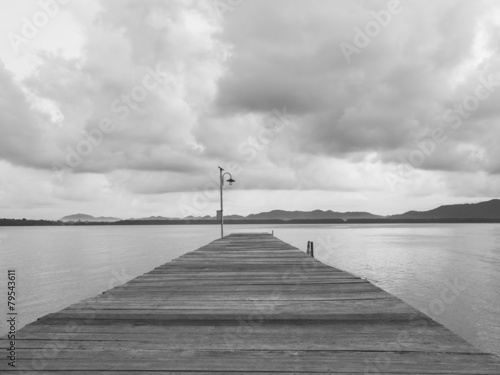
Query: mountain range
(483, 210)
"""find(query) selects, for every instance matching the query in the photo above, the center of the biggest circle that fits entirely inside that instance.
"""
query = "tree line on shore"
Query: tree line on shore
(27, 222)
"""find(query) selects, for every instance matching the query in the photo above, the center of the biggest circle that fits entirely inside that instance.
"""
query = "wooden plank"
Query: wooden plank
(304, 361)
(354, 336)
(245, 304)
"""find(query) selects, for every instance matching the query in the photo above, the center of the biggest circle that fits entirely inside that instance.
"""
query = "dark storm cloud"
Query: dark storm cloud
(392, 94)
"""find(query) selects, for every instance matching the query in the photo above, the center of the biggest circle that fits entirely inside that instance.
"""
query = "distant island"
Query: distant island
(483, 212)
(83, 217)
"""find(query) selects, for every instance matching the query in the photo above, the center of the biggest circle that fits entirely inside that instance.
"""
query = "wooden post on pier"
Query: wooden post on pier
(310, 248)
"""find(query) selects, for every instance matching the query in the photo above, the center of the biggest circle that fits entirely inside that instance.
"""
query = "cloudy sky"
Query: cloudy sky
(126, 108)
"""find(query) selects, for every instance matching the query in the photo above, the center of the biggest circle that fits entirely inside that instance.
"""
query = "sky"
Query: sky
(126, 108)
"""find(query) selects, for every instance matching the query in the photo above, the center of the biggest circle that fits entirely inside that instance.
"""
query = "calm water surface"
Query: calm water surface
(58, 266)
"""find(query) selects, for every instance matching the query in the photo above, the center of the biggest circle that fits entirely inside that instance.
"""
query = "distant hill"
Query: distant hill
(207, 217)
(155, 218)
(311, 215)
(83, 217)
(294, 215)
(233, 217)
(482, 210)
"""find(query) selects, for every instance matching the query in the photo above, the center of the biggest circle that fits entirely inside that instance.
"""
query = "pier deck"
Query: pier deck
(245, 304)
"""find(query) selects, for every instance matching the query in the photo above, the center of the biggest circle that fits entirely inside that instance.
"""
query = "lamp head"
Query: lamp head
(231, 181)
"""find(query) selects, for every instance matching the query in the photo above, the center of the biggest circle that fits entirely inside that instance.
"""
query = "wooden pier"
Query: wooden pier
(244, 304)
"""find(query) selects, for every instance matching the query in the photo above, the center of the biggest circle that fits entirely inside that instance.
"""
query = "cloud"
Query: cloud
(145, 99)
(394, 91)
(25, 130)
(152, 128)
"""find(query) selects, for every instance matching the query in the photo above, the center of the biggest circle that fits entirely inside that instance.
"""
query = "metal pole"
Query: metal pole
(221, 207)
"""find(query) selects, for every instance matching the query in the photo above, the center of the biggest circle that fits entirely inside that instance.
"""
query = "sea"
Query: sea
(419, 263)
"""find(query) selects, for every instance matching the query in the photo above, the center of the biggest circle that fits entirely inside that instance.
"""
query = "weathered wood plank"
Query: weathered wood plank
(265, 360)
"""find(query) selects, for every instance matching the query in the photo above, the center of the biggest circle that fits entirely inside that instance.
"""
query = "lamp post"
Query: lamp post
(221, 201)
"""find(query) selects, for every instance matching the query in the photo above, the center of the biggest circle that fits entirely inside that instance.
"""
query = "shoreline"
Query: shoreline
(24, 222)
